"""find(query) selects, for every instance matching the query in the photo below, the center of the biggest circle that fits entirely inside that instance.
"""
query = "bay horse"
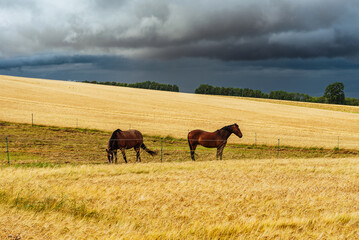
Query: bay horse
(125, 140)
(217, 139)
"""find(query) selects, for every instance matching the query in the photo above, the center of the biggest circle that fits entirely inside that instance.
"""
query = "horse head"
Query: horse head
(236, 130)
(109, 155)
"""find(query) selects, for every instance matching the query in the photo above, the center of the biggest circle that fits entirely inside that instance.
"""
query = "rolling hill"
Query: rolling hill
(71, 104)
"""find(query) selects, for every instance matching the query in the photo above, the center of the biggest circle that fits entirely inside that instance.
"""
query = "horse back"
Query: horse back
(195, 134)
(206, 139)
(129, 139)
(131, 134)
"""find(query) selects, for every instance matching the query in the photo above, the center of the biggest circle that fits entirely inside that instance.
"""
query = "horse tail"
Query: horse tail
(143, 146)
(189, 142)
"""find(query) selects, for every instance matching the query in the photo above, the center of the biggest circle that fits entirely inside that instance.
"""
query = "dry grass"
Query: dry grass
(48, 146)
(282, 199)
(166, 113)
(332, 107)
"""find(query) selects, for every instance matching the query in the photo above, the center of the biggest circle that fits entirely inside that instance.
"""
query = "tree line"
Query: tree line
(145, 85)
(334, 94)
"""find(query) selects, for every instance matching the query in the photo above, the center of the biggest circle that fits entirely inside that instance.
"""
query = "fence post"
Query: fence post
(7, 151)
(278, 148)
(161, 149)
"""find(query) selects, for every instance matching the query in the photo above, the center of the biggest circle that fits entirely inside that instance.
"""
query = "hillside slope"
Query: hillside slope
(71, 104)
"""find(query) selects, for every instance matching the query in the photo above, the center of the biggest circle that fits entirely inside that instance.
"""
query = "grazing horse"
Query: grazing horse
(125, 140)
(217, 139)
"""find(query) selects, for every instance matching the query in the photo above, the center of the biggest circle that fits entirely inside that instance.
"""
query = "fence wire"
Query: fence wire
(93, 150)
(41, 144)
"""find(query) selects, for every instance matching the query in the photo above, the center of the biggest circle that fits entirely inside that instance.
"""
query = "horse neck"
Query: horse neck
(225, 133)
(113, 143)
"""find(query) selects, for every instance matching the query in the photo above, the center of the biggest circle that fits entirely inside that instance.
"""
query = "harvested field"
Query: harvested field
(71, 104)
(246, 199)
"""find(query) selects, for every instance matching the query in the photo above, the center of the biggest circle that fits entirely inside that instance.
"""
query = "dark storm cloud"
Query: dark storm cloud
(268, 45)
(183, 64)
(98, 62)
(43, 60)
(298, 75)
(226, 30)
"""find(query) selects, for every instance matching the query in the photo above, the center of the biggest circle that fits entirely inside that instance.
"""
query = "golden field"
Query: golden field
(241, 198)
(247, 199)
(71, 104)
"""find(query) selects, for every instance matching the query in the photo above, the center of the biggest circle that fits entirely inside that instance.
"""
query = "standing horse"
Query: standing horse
(217, 139)
(125, 140)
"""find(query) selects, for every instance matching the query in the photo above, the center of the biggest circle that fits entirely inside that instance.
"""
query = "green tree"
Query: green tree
(352, 101)
(334, 93)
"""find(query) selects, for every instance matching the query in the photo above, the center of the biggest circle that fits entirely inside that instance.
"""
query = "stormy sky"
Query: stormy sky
(297, 46)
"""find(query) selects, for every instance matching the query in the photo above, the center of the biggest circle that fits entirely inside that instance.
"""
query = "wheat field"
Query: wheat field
(72, 104)
(267, 199)
(233, 199)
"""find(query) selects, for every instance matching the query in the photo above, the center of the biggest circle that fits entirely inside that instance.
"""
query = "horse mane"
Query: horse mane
(114, 133)
(227, 128)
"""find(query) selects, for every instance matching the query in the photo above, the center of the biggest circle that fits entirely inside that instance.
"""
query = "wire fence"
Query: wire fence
(327, 139)
(22, 143)
(92, 150)
(19, 150)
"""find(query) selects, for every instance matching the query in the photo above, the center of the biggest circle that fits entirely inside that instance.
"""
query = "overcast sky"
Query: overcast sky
(297, 46)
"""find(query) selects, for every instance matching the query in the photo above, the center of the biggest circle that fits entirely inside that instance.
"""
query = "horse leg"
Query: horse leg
(220, 151)
(115, 154)
(193, 148)
(138, 157)
(124, 154)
